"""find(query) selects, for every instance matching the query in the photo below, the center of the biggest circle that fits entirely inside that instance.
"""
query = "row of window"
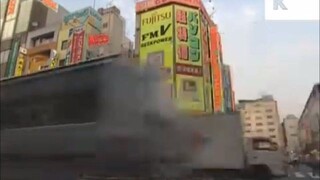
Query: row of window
(260, 124)
(258, 111)
(261, 130)
(260, 118)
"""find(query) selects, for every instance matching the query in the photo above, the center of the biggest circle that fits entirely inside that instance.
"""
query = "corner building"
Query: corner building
(175, 36)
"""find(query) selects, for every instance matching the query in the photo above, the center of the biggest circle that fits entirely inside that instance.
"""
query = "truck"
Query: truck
(103, 118)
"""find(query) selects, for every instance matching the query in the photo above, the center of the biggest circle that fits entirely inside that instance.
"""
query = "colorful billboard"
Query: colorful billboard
(77, 46)
(156, 41)
(188, 67)
(216, 71)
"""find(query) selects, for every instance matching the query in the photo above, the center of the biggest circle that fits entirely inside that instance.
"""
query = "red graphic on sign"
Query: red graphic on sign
(77, 47)
(98, 39)
(11, 7)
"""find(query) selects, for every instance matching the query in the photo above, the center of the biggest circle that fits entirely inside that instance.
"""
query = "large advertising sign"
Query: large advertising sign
(189, 69)
(156, 41)
(216, 71)
(12, 59)
(98, 39)
(77, 46)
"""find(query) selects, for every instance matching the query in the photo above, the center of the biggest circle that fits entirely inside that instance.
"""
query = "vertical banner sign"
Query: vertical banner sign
(189, 69)
(156, 43)
(77, 46)
(12, 59)
(68, 54)
(19, 65)
(12, 10)
(206, 64)
(217, 81)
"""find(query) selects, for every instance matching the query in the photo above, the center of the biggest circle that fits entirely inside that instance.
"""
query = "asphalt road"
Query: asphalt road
(61, 172)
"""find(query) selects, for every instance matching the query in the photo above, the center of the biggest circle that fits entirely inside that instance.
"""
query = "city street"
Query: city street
(301, 172)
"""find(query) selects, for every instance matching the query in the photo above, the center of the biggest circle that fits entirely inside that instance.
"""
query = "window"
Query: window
(259, 124)
(294, 135)
(62, 62)
(43, 67)
(189, 85)
(269, 110)
(257, 111)
(257, 105)
(273, 136)
(272, 130)
(259, 130)
(64, 45)
(269, 117)
(270, 123)
(247, 118)
(248, 124)
(248, 131)
(105, 25)
(258, 118)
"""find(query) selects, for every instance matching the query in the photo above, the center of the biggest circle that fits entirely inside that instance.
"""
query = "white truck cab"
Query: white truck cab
(264, 156)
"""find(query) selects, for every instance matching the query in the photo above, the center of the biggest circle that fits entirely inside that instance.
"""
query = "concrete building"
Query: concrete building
(21, 17)
(114, 25)
(309, 122)
(73, 41)
(260, 118)
(41, 45)
(181, 40)
(290, 126)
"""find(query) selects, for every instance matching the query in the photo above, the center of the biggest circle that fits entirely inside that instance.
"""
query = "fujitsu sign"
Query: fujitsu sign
(98, 39)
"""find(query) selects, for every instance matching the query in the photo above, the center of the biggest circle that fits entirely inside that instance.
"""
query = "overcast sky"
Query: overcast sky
(267, 57)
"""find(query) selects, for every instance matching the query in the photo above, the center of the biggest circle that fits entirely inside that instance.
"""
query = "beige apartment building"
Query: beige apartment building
(260, 118)
(290, 125)
(114, 25)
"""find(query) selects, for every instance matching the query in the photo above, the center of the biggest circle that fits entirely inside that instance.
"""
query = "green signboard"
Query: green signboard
(12, 59)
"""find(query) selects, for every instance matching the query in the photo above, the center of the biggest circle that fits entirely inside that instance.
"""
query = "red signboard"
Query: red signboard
(11, 7)
(187, 69)
(77, 47)
(217, 81)
(51, 4)
(98, 39)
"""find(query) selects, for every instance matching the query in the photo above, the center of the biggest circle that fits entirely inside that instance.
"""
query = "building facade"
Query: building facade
(290, 125)
(181, 40)
(113, 25)
(260, 118)
(73, 42)
(309, 122)
(20, 18)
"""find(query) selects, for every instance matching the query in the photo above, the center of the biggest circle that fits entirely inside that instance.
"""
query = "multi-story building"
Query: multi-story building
(309, 122)
(260, 118)
(19, 18)
(73, 42)
(180, 39)
(227, 89)
(113, 25)
(290, 126)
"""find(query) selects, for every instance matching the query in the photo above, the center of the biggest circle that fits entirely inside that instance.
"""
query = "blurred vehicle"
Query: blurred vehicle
(265, 157)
